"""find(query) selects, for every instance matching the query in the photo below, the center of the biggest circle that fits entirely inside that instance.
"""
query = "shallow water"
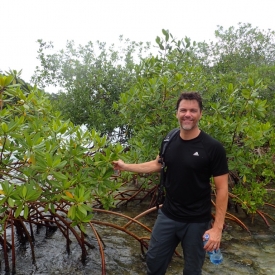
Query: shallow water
(243, 253)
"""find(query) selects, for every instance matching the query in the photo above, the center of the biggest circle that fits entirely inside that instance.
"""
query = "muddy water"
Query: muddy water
(243, 253)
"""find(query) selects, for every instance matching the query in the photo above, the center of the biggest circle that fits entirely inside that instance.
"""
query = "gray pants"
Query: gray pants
(166, 235)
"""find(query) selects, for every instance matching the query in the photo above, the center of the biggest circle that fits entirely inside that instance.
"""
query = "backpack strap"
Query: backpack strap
(165, 142)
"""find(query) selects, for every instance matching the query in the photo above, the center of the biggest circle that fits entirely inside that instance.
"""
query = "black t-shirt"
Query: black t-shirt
(189, 166)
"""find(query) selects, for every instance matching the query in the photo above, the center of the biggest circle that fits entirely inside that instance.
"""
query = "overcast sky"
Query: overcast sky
(23, 22)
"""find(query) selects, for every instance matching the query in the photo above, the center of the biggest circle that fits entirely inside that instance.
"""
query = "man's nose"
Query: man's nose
(188, 113)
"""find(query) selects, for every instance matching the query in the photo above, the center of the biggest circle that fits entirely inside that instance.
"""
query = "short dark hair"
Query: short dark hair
(190, 96)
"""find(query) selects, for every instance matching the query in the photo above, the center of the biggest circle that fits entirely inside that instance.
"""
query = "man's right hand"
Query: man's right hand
(119, 165)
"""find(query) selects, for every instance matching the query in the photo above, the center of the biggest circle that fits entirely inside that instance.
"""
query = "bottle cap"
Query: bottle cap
(206, 237)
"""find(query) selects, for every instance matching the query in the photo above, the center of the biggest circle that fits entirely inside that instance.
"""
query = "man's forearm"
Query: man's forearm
(145, 168)
(221, 207)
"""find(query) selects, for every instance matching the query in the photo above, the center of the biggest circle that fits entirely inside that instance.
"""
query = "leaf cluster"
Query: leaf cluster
(47, 162)
(91, 78)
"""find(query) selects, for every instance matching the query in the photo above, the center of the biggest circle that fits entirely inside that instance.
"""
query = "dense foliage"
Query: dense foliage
(45, 161)
(93, 77)
(52, 173)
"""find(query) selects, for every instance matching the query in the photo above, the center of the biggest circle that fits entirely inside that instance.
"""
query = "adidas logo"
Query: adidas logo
(196, 154)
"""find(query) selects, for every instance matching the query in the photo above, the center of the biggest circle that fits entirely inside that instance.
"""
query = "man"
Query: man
(192, 157)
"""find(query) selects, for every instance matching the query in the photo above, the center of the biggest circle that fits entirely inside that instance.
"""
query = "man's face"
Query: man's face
(188, 114)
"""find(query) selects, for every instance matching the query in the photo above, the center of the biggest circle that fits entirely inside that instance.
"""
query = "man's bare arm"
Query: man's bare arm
(221, 183)
(145, 167)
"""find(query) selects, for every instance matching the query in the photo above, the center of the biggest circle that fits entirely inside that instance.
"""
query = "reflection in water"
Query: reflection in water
(243, 253)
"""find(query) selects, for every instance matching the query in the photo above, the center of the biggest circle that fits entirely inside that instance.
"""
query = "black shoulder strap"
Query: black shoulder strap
(166, 141)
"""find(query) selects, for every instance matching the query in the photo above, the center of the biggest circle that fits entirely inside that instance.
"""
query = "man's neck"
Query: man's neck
(189, 134)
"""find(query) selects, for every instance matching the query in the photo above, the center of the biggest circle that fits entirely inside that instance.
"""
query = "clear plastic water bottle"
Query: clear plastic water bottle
(215, 255)
(206, 238)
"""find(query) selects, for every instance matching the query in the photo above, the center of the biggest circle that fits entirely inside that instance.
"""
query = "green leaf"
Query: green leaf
(59, 176)
(49, 159)
(24, 191)
(250, 82)
(158, 40)
(59, 165)
(11, 202)
(166, 33)
(26, 211)
(2, 201)
(83, 229)
(81, 191)
(56, 161)
(52, 207)
(88, 208)
(18, 210)
(230, 88)
(2, 209)
(8, 80)
(33, 195)
(246, 93)
(187, 41)
(71, 212)
(88, 218)
(82, 209)
(7, 188)
(4, 127)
